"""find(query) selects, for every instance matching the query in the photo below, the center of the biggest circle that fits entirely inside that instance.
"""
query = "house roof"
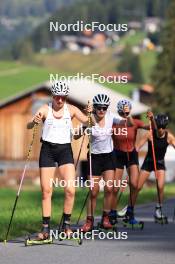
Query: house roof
(80, 92)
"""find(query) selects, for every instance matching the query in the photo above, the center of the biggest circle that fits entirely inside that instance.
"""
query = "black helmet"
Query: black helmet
(161, 120)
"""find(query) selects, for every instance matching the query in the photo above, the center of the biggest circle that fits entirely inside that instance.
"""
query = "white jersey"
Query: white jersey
(57, 130)
(102, 136)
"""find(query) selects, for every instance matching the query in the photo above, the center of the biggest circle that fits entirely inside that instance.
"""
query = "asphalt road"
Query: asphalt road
(155, 244)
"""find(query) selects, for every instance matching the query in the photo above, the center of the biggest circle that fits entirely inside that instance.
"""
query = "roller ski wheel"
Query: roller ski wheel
(162, 221)
(36, 241)
(133, 224)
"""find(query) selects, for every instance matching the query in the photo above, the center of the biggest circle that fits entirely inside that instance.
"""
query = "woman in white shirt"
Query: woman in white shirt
(103, 160)
(56, 151)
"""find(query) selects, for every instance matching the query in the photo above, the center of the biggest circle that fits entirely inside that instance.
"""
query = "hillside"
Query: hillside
(19, 18)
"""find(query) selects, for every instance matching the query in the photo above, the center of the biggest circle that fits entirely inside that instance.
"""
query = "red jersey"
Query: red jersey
(125, 138)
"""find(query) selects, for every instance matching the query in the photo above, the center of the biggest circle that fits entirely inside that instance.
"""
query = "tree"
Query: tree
(164, 74)
(130, 62)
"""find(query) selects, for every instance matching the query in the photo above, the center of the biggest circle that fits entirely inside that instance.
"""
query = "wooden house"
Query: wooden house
(15, 139)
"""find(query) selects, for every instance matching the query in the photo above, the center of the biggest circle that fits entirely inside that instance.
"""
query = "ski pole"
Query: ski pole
(21, 181)
(128, 159)
(81, 146)
(90, 170)
(155, 167)
(90, 157)
(82, 209)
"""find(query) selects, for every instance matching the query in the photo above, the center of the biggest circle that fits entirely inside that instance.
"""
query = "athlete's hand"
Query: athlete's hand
(38, 118)
(89, 109)
(137, 148)
(150, 114)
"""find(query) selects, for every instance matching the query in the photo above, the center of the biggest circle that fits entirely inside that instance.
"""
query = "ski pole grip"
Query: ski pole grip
(89, 117)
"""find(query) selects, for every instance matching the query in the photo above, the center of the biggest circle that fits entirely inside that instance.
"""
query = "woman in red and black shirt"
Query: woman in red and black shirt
(126, 156)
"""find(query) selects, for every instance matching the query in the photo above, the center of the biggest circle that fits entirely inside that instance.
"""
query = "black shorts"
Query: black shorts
(101, 163)
(148, 165)
(52, 155)
(122, 159)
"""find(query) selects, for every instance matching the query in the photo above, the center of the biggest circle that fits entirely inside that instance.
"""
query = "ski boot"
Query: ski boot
(66, 233)
(89, 225)
(105, 224)
(122, 212)
(130, 221)
(113, 217)
(159, 217)
(42, 238)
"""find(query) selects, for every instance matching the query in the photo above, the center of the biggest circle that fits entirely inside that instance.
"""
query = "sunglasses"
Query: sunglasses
(104, 108)
(57, 97)
(163, 127)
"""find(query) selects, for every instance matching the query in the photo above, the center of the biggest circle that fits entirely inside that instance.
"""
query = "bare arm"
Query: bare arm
(75, 112)
(142, 141)
(40, 116)
(171, 139)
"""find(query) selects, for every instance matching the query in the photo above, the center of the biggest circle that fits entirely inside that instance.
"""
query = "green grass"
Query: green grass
(125, 89)
(132, 40)
(17, 77)
(27, 218)
(74, 62)
(148, 61)
(6, 65)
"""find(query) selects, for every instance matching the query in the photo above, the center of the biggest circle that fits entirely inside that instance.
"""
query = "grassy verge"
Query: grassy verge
(27, 217)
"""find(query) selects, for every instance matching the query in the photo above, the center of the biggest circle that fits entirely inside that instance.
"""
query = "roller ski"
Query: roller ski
(66, 233)
(130, 222)
(105, 224)
(42, 238)
(122, 212)
(159, 218)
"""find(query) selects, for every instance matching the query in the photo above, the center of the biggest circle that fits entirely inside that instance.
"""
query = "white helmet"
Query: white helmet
(59, 88)
(122, 103)
(101, 99)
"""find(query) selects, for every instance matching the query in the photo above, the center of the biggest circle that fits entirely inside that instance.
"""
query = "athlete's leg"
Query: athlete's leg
(108, 177)
(161, 183)
(46, 178)
(93, 196)
(130, 217)
(67, 173)
(91, 205)
(117, 180)
(143, 176)
(133, 172)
